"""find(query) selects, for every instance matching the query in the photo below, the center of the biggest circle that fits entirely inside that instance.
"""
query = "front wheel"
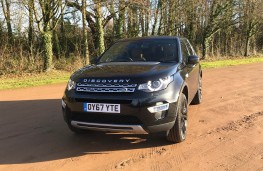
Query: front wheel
(177, 133)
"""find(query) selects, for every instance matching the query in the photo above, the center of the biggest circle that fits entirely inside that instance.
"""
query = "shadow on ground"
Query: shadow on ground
(34, 131)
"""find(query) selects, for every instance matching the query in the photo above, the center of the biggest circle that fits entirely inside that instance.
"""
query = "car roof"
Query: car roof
(149, 38)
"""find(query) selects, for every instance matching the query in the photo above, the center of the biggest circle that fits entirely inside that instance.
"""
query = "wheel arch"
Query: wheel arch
(185, 92)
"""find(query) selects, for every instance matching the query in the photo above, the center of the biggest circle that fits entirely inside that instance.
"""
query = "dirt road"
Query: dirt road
(225, 131)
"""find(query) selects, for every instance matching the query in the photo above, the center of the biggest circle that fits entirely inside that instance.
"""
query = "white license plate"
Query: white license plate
(102, 107)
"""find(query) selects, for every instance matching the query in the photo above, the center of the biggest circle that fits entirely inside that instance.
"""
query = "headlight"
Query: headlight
(71, 85)
(156, 85)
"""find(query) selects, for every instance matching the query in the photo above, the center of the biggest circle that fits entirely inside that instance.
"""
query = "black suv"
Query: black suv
(139, 85)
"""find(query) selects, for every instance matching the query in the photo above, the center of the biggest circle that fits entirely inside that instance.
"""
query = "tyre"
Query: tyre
(198, 96)
(177, 133)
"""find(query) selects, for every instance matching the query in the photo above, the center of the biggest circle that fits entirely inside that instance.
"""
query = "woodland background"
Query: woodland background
(40, 35)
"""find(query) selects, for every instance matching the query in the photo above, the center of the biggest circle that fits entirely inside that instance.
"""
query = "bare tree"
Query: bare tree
(95, 21)
(46, 11)
(6, 11)
(213, 22)
(30, 25)
(85, 34)
(252, 16)
(99, 24)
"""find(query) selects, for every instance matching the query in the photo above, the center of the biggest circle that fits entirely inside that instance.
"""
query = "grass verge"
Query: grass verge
(30, 80)
(230, 62)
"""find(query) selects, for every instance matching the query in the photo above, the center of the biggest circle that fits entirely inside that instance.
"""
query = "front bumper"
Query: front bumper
(137, 129)
(134, 116)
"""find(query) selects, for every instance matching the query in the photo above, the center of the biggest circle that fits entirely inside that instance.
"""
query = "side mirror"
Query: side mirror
(193, 59)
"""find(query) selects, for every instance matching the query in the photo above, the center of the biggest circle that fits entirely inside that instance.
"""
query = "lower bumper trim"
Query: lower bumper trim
(137, 129)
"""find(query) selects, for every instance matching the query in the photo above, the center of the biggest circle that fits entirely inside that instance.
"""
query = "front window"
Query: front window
(159, 50)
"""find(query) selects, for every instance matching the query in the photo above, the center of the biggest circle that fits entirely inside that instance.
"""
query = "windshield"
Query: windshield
(161, 50)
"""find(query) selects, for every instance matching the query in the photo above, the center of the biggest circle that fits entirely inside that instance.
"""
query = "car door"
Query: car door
(191, 70)
(195, 69)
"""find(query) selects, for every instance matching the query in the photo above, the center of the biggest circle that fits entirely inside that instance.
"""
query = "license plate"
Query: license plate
(102, 107)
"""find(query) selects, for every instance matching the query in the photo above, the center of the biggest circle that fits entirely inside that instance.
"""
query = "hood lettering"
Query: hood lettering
(93, 80)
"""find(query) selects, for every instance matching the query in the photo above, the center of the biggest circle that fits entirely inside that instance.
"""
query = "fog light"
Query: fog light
(63, 103)
(158, 108)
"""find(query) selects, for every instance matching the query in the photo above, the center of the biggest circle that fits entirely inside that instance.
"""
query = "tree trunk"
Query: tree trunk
(205, 46)
(166, 17)
(124, 24)
(6, 11)
(120, 21)
(30, 28)
(85, 34)
(100, 29)
(47, 44)
(114, 19)
(63, 40)
(191, 12)
(156, 16)
(247, 46)
(129, 29)
(1, 33)
(8, 22)
(147, 18)
(142, 22)
(135, 22)
(57, 50)
(248, 37)
(161, 18)
(170, 18)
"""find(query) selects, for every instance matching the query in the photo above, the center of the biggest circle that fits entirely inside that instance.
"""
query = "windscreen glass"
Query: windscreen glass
(161, 50)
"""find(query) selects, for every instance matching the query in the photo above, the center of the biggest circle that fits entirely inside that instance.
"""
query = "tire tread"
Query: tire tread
(174, 133)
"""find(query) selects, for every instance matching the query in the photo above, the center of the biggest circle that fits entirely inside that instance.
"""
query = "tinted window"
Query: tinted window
(162, 50)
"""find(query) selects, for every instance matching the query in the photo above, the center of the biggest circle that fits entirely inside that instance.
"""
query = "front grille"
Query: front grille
(105, 88)
(106, 118)
(109, 101)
